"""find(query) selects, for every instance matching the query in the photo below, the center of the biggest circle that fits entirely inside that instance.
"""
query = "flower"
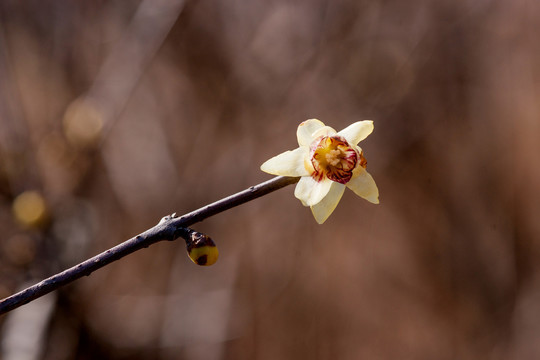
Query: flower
(327, 161)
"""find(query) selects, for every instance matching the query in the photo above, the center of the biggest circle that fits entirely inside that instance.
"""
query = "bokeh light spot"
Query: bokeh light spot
(29, 209)
(83, 124)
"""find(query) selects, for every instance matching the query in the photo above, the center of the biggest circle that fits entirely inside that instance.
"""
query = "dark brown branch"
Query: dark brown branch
(169, 228)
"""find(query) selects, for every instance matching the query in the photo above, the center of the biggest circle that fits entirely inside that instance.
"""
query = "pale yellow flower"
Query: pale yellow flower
(327, 161)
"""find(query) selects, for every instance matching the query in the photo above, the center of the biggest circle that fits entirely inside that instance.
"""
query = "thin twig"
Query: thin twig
(169, 228)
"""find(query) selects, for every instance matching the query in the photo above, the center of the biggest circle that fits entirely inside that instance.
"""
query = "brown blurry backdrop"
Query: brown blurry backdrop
(116, 113)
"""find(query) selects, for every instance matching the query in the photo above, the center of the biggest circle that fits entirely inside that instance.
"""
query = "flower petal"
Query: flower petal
(357, 132)
(306, 130)
(289, 163)
(311, 191)
(364, 186)
(326, 206)
(324, 131)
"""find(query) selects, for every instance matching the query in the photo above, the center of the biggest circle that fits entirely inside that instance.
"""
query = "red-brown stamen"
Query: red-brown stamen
(334, 158)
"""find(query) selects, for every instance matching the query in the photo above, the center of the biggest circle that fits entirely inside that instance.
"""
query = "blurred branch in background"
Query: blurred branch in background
(90, 116)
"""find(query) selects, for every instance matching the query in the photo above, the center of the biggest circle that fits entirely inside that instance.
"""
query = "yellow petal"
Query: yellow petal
(310, 191)
(289, 163)
(324, 131)
(306, 130)
(364, 186)
(357, 132)
(326, 206)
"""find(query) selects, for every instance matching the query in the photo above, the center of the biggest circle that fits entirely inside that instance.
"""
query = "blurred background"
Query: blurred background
(114, 114)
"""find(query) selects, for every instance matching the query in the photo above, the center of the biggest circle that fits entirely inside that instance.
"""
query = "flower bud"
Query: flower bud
(201, 249)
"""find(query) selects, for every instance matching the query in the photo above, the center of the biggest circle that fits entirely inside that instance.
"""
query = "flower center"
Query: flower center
(334, 158)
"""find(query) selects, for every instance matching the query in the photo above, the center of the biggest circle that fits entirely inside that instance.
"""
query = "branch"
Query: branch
(169, 228)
